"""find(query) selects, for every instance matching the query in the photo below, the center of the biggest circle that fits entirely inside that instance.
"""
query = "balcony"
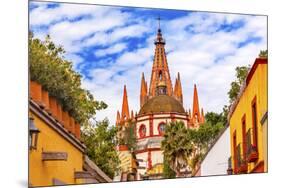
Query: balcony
(240, 161)
(252, 152)
(229, 169)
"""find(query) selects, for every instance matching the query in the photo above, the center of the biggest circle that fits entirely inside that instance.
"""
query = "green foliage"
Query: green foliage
(241, 74)
(100, 141)
(176, 145)
(182, 146)
(195, 160)
(204, 135)
(225, 111)
(263, 54)
(214, 118)
(129, 137)
(202, 138)
(48, 67)
(167, 171)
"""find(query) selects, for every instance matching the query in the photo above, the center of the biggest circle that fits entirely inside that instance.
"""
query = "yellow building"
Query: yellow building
(128, 164)
(248, 122)
(56, 153)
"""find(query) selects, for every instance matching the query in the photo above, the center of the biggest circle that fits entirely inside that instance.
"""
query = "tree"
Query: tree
(167, 171)
(202, 138)
(241, 74)
(214, 118)
(183, 147)
(128, 135)
(100, 141)
(263, 54)
(176, 146)
(225, 114)
(48, 67)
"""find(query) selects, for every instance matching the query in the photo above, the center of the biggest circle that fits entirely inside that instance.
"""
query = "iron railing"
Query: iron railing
(240, 160)
(229, 168)
(251, 150)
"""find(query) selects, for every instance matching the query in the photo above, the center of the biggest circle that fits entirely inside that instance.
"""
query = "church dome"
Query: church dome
(161, 103)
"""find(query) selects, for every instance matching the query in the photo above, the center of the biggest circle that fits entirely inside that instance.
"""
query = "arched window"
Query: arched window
(196, 118)
(142, 131)
(161, 128)
(160, 75)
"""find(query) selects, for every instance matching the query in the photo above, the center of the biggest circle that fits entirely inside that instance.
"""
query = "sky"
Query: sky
(111, 47)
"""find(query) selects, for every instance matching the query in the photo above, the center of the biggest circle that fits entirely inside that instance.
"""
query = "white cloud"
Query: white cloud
(103, 38)
(42, 15)
(196, 48)
(65, 26)
(75, 59)
(111, 50)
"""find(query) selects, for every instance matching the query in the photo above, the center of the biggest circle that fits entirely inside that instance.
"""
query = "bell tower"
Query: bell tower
(160, 70)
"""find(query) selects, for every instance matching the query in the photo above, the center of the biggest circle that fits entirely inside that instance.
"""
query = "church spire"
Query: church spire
(160, 71)
(178, 89)
(196, 110)
(132, 114)
(159, 23)
(202, 116)
(118, 117)
(125, 106)
(143, 91)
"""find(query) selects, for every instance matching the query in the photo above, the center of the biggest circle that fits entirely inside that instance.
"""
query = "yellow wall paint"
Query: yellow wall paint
(125, 158)
(265, 149)
(256, 87)
(157, 169)
(42, 173)
(127, 162)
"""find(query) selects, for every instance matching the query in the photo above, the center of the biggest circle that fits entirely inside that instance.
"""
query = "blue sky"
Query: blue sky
(112, 46)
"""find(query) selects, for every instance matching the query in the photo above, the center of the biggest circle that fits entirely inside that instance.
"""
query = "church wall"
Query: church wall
(160, 84)
(157, 119)
(160, 115)
(138, 124)
(142, 118)
(142, 156)
(181, 118)
(156, 123)
(156, 157)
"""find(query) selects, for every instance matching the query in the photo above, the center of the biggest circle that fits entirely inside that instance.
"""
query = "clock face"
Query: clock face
(161, 128)
(142, 131)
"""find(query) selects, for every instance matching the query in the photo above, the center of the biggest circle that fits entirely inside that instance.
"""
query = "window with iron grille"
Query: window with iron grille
(255, 125)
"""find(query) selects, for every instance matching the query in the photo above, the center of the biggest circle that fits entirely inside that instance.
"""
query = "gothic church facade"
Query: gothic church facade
(160, 103)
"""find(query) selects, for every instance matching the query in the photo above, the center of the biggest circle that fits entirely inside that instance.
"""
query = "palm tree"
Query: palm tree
(177, 146)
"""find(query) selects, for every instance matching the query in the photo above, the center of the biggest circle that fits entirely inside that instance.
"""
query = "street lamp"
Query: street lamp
(33, 134)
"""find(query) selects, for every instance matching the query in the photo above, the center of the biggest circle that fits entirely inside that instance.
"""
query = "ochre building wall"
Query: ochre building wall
(43, 172)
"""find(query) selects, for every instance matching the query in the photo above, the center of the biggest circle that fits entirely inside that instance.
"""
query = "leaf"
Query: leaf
(49, 68)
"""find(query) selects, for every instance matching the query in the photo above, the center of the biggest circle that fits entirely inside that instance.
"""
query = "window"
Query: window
(161, 128)
(244, 136)
(255, 124)
(142, 131)
(160, 75)
(234, 152)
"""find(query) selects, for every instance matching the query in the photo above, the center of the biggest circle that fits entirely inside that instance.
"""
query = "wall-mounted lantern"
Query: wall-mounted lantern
(33, 134)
